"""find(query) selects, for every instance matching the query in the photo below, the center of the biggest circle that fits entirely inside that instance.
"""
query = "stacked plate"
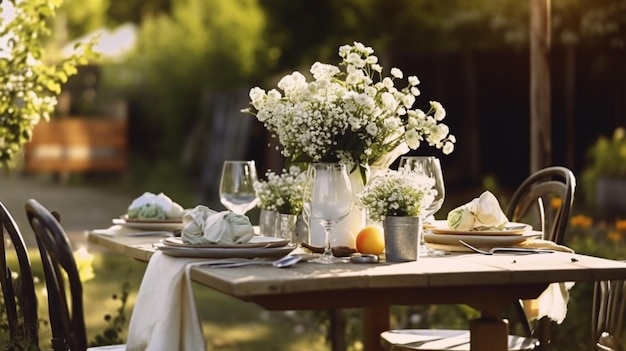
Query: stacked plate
(513, 233)
(258, 246)
(149, 224)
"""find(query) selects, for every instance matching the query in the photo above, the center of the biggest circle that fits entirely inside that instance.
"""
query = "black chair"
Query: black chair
(609, 314)
(543, 200)
(20, 301)
(67, 318)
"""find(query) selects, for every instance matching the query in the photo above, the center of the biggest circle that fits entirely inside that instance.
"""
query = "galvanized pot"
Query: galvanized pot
(402, 238)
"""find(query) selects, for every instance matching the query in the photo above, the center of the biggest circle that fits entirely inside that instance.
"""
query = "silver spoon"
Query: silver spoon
(495, 250)
(283, 262)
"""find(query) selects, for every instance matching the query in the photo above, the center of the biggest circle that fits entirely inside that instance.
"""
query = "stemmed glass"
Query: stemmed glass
(237, 186)
(328, 194)
(428, 166)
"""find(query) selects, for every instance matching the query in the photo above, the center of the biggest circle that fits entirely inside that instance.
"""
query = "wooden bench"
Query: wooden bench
(74, 145)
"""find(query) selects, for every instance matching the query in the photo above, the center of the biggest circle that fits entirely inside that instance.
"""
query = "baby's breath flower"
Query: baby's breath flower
(396, 193)
(282, 192)
(340, 115)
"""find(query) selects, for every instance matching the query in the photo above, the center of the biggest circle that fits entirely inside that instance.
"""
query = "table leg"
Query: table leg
(375, 321)
(489, 333)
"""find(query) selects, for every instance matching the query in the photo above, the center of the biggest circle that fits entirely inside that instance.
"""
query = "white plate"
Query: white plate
(149, 225)
(479, 240)
(511, 229)
(256, 241)
(208, 252)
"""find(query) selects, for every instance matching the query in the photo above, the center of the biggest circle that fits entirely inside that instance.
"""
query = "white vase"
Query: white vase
(344, 233)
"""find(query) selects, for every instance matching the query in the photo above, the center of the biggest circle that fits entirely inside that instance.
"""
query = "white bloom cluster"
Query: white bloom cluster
(282, 192)
(348, 116)
(396, 193)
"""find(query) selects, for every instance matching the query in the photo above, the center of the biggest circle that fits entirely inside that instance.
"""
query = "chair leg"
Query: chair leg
(337, 330)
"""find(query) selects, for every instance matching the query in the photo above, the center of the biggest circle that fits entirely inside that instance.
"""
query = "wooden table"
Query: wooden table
(487, 283)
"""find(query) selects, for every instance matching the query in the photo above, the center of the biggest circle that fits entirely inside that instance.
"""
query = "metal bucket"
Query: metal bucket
(402, 238)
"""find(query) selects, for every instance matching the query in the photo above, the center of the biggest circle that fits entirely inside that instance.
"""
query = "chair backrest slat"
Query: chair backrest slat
(61, 273)
(609, 312)
(552, 183)
(20, 301)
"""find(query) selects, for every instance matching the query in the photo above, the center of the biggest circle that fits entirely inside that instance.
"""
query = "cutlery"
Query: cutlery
(511, 250)
(283, 262)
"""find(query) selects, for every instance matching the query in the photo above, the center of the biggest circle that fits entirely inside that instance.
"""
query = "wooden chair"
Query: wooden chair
(609, 313)
(20, 301)
(67, 318)
(543, 200)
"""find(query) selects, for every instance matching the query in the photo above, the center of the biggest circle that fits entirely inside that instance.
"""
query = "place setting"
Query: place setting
(481, 226)
(147, 215)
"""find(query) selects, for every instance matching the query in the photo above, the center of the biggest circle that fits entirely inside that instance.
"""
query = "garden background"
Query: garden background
(182, 82)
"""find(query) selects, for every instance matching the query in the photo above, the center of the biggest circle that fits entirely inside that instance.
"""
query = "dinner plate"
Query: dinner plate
(510, 229)
(479, 240)
(256, 241)
(217, 252)
(166, 224)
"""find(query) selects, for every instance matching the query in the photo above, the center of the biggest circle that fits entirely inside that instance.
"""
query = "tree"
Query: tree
(29, 83)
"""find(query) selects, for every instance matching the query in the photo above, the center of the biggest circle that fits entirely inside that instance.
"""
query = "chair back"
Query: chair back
(609, 312)
(545, 199)
(62, 279)
(20, 301)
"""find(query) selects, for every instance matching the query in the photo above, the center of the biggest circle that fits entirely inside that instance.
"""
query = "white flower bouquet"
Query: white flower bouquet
(396, 193)
(354, 116)
(283, 192)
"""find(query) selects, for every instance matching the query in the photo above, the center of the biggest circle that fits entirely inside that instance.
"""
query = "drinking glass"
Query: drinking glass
(428, 166)
(237, 186)
(328, 194)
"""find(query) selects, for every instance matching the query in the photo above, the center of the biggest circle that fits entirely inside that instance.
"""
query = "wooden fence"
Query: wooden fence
(75, 145)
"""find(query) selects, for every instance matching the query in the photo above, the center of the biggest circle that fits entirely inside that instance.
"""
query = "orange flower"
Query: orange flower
(556, 203)
(614, 236)
(581, 221)
(620, 224)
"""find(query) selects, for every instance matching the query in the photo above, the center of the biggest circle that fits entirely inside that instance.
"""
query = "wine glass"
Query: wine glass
(428, 166)
(329, 197)
(237, 186)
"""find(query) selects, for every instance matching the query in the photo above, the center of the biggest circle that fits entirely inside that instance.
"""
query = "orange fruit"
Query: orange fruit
(371, 240)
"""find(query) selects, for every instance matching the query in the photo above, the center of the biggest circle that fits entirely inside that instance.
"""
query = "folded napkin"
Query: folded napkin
(202, 225)
(151, 206)
(165, 315)
(552, 303)
(483, 213)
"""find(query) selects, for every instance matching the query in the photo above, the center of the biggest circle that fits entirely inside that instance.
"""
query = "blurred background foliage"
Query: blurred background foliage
(189, 54)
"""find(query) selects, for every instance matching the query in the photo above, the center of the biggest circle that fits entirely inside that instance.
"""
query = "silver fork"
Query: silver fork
(511, 250)
(283, 262)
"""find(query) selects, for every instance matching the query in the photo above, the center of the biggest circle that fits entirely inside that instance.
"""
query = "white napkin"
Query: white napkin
(203, 225)
(552, 303)
(152, 206)
(165, 315)
(481, 212)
